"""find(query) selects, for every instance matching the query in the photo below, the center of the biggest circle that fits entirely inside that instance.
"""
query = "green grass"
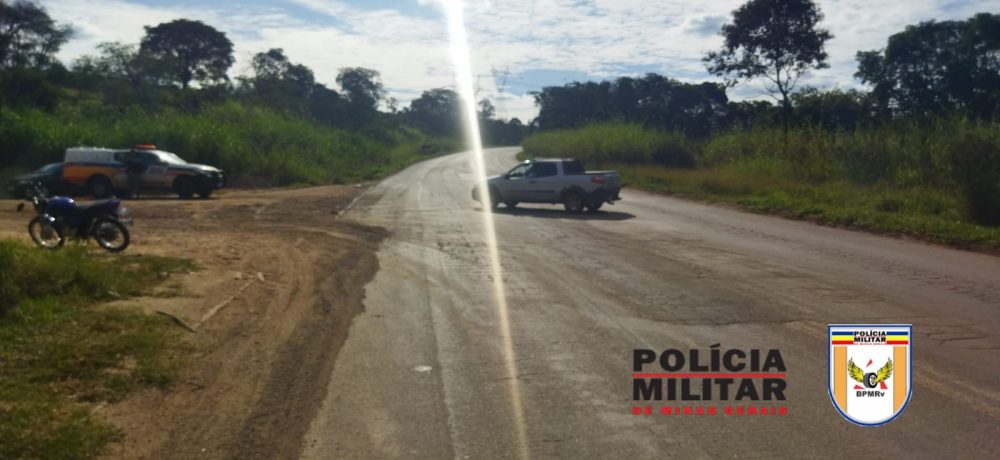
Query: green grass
(241, 139)
(920, 213)
(61, 354)
(937, 181)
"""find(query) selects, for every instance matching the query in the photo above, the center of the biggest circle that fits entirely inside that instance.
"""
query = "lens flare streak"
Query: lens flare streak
(463, 76)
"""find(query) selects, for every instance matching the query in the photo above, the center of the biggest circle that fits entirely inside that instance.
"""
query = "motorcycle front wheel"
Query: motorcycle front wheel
(45, 235)
(111, 234)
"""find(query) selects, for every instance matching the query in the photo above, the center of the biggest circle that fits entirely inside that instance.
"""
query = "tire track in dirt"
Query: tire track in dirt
(292, 278)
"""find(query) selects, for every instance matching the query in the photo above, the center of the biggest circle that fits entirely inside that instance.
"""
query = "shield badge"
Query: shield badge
(870, 371)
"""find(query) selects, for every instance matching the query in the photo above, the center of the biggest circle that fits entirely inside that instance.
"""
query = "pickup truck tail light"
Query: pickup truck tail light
(597, 178)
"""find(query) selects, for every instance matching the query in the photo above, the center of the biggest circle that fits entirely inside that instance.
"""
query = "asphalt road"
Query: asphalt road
(424, 371)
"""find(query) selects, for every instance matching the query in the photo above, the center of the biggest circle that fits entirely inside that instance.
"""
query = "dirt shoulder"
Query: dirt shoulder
(280, 279)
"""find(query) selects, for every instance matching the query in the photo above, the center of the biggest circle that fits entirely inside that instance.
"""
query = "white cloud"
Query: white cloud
(109, 20)
(601, 38)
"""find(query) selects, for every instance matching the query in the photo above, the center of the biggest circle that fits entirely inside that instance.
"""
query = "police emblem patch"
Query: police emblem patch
(870, 371)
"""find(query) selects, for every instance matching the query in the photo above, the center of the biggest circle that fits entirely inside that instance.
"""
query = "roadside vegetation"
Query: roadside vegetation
(936, 182)
(918, 154)
(274, 124)
(252, 142)
(62, 356)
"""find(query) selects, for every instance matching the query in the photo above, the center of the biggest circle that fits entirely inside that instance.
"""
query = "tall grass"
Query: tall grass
(239, 138)
(75, 273)
(944, 170)
(953, 156)
(619, 142)
(904, 153)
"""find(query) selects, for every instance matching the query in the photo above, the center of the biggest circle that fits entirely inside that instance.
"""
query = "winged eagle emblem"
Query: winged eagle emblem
(871, 379)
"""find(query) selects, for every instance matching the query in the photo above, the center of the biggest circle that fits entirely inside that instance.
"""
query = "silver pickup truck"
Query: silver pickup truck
(553, 181)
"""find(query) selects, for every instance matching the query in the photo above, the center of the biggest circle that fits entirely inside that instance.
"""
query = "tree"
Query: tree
(361, 86)
(437, 111)
(277, 82)
(772, 39)
(270, 64)
(834, 109)
(363, 91)
(187, 51)
(116, 60)
(328, 106)
(937, 67)
(747, 114)
(29, 87)
(272, 67)
(28, 36)
(626, 96)
(486, 110)
(574, 104)
(300, 78)
(697, 109)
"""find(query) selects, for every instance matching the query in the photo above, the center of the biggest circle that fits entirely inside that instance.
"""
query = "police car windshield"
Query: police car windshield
(170, 158)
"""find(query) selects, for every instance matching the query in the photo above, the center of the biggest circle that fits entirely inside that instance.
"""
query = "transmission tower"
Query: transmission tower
(500, 80)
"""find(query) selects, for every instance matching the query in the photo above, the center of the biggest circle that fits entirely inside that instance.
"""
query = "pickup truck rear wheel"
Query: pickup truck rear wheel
(593, 207)
(573, 202)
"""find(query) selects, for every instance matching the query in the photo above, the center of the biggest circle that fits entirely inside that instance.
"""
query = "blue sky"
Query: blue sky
(536, 42)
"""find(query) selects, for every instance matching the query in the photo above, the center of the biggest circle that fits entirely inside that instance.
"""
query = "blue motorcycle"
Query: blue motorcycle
(60, 217)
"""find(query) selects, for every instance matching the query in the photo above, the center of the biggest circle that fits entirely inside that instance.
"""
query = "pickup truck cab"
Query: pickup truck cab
(103, 171)
(555, 181)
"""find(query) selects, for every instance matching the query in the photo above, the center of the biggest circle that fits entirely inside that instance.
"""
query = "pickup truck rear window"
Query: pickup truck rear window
(573, 167)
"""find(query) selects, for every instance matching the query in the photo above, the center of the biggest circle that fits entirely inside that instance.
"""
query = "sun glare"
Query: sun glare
(463, 74)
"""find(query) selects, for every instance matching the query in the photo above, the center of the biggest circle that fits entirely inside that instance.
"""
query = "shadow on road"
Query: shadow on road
(555, 213)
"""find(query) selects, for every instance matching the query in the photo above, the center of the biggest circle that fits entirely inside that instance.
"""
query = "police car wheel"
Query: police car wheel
(184, 188)
(100, 187)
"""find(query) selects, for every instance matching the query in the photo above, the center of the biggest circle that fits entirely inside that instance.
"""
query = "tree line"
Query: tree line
(186, 64)
(925, 122)
(928, 70)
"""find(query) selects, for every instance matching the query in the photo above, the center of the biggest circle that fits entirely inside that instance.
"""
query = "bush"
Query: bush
(28, 88)
(976, 163)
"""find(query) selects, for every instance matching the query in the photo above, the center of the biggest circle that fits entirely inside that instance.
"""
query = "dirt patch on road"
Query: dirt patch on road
(280, 279)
